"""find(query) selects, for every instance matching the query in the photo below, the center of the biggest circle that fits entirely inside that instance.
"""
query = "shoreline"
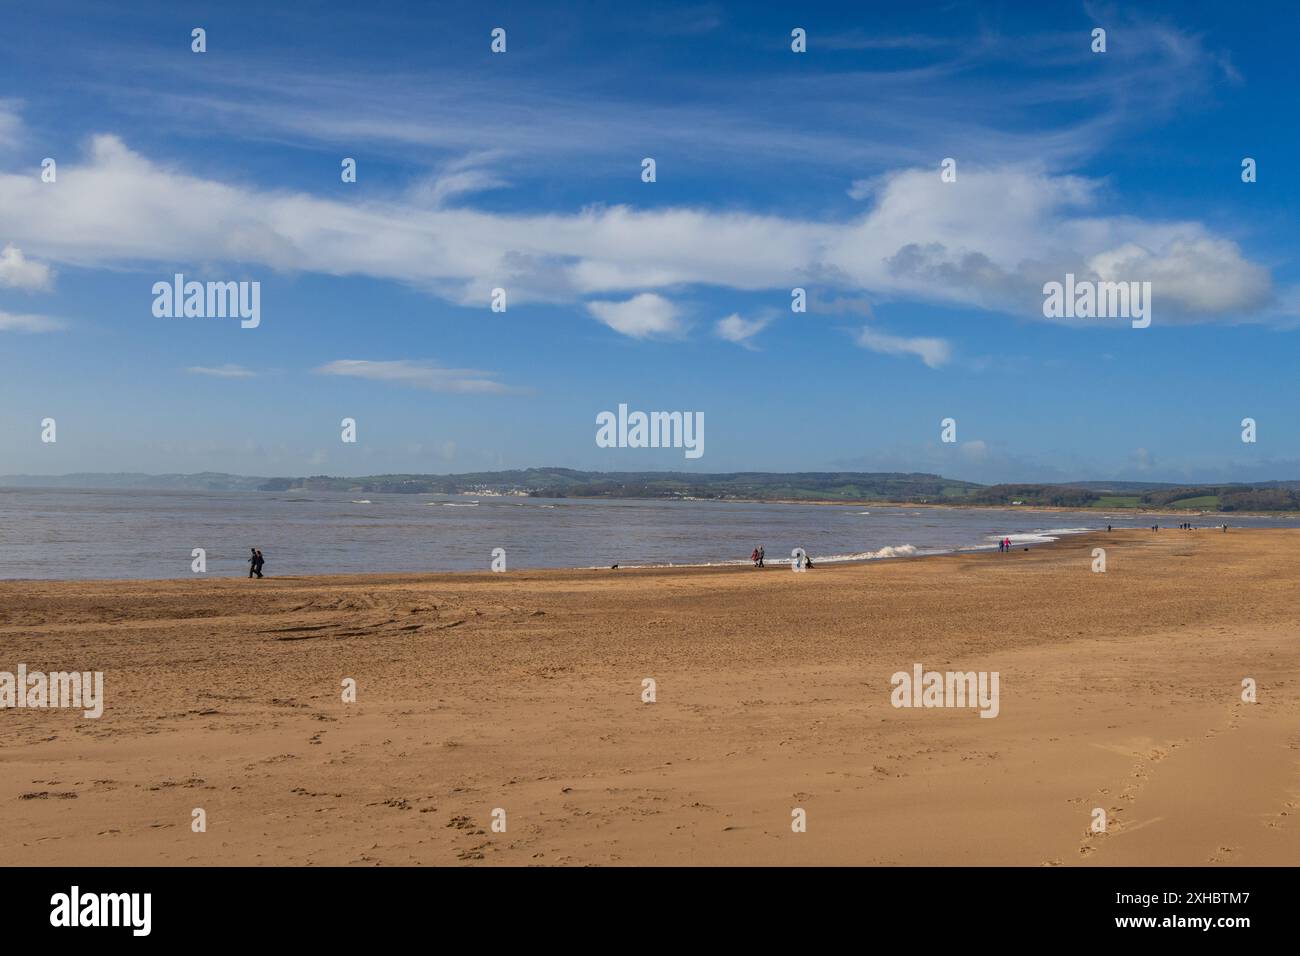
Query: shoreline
(782, 563)
(1045, 509)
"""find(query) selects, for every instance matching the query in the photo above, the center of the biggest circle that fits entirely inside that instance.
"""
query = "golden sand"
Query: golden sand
(523, 692)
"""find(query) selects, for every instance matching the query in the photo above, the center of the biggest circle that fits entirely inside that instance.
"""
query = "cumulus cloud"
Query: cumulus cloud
(640, 317)
(994, 237)
(423, 375)
(1199, 274)
(10, 322)
(221, 371)
(933, 352)
(19, 272)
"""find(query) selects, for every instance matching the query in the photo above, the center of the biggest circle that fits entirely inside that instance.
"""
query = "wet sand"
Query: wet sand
(523, 692)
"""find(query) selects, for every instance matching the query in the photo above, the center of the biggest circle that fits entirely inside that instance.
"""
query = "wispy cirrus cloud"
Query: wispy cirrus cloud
(222, 371)
(11, 124)
(1013, 94)
(415, 374)
(461, 177)
(12, 322)
(933, 352)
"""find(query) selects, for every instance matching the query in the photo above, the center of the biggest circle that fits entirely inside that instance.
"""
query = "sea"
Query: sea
(88, 534)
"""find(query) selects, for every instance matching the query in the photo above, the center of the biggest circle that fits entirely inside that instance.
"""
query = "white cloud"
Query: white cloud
(19, 272)
(735, 329)
(989, 240)
(1200, 274)
(461, 177)
(993, 238)
(640, 317)
(933, 352)
(418, 375)
(10, 322)
(221, 371)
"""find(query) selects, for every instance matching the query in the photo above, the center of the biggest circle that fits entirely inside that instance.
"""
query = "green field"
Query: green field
(1117, 501)
(1199, 503)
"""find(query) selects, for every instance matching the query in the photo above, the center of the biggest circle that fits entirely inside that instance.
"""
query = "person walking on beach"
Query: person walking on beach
(255, 563)
(761, 553)
(260, 561)
(754, 557)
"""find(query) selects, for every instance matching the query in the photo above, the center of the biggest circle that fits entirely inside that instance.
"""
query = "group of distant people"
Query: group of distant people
(1186, 526)
(1004, 545)
(255, 562)
(759, 556)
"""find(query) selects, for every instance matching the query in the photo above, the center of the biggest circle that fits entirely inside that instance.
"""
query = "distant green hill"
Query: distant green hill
(901, 487)
(1269, 496)
(566, 482)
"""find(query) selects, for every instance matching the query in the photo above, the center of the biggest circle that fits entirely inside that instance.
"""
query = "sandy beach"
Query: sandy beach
(523, 692)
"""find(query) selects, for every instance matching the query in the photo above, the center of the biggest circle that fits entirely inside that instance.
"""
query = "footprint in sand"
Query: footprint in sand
(1279, 819)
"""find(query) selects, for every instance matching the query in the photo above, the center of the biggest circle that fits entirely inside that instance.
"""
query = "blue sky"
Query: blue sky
(775, 170)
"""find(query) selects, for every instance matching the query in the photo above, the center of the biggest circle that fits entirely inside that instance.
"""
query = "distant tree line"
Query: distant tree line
(1258, 499)
(1053, 496)
(805, 486)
